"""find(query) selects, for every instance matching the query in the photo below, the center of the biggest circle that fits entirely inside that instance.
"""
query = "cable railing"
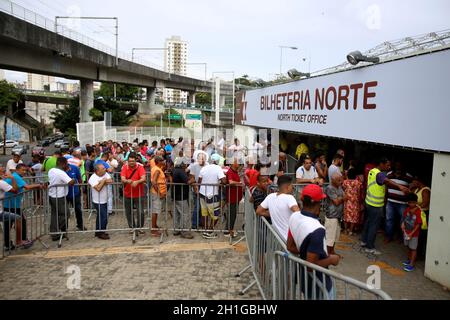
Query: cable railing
(36, 19)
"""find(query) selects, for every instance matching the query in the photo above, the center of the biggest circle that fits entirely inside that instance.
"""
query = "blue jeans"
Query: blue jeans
(195, 213)
(394, 215)
(102, 217)
(371, 224)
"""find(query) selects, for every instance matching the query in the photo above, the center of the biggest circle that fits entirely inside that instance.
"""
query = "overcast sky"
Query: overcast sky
(244, 35)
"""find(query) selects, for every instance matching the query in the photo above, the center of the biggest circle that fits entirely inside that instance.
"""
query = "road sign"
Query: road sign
(193, 117)
(175, 117)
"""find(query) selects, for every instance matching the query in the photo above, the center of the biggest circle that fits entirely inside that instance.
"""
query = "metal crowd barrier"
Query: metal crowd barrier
(23, 220)
(297, 279)
(135, 214)
(280, 275)
(262, 242)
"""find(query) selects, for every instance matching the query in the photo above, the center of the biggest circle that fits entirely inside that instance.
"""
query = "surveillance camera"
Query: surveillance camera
(356, 57)
(295, 74)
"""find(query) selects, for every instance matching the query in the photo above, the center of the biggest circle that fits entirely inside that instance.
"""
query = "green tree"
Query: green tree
(8, 95)
(203, 98)
(119, 117)
(123, 91)
(66, 118)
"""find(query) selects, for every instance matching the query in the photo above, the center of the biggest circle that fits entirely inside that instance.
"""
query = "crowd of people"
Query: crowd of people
(209, 180)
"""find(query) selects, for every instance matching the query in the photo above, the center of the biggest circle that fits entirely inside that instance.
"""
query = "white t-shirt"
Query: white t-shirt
(279, 206)
(102, 196)
(113, 163)
(37, 168)
(302, 173)
(4, 187)
(332, 170)
(194, 169)
(58, 177)
(220, 145)
(301, 227)
(11, 165)
(210, 174)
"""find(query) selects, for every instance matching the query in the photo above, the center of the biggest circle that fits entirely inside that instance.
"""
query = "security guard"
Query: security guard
(375, 201)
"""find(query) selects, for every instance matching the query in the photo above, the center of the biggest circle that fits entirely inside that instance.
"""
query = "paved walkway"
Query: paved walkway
(194, 269)
(177, 269)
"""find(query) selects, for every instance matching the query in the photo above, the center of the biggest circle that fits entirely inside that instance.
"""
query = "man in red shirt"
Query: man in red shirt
(235, 193)
(133, 177)
(251, 175)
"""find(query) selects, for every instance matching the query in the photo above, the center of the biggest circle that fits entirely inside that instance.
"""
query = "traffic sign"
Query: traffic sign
(175, 117)
(193, 117)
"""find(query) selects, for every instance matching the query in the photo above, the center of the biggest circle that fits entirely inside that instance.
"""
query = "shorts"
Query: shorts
(333, 231)
(412, 243)
(157, 204)
(210, 207)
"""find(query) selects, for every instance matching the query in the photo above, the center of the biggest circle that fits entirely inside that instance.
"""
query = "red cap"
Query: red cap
(314, 192)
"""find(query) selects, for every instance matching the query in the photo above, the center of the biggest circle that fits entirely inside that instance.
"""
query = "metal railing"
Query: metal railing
(27, 15)
(280, 275)
(297, 279)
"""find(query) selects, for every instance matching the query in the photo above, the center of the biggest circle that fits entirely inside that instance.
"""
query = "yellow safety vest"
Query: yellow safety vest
(375, 193)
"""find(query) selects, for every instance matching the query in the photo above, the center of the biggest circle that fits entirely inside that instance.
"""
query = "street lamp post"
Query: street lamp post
(116, 34)
(281, 56)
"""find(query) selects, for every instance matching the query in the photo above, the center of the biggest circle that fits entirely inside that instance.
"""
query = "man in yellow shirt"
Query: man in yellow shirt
(158, 192)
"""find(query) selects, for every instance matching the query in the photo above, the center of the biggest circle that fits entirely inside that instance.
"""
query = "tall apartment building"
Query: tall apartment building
(175, 62)
(39, 81)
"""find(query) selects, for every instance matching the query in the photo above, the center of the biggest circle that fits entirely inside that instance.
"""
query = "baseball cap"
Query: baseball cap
(314, 192)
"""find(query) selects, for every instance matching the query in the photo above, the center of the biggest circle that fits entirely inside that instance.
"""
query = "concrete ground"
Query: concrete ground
(176, 268)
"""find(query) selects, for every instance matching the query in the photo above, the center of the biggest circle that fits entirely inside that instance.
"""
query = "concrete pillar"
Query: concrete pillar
(151, 95)
(438, 255)
(86, 99)
(145, 108)
(191, 98)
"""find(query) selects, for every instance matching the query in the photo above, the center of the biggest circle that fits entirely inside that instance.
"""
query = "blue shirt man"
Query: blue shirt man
(75, 174)
(13, 201)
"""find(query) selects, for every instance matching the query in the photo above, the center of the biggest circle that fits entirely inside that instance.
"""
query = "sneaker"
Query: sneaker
(408, 268)
(362, 244)
(141, 232)
(211, 235)
(373, 251)
(187, 235)
(406, 263)
(177, 233)
(226, 234)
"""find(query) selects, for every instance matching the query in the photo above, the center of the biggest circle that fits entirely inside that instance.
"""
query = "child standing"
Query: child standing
(411, 225)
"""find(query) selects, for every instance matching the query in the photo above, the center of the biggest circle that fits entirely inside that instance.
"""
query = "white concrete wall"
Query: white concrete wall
(437, 266)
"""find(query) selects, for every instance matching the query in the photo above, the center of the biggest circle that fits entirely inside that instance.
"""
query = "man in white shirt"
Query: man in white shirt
(280, 206)
(307, 174)
(194, 174)
(210, 194)
(335, 167)
(98, 183)
(12, 163)
(57, 191)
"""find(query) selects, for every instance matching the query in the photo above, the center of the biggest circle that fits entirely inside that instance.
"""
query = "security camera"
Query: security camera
(295, 74)
(356, 57)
